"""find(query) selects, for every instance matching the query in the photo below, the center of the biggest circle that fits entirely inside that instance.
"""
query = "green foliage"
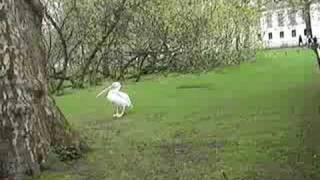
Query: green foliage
(126, 39)
(258, 120)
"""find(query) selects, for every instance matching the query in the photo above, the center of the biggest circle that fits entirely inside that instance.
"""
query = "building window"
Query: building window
(281, 34)
(269, 20)
(292, 17)
(270, 35)
(294, 33)
(280, 19)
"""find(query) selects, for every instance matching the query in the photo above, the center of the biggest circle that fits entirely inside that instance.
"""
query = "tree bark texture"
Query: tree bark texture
(30, 122)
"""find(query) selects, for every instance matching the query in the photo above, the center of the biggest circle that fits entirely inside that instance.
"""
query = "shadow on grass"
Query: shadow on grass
(195, 86)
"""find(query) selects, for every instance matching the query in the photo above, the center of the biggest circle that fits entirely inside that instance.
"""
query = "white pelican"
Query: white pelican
(117, 98)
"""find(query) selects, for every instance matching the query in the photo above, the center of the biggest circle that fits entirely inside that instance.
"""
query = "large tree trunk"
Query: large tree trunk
(30, 122)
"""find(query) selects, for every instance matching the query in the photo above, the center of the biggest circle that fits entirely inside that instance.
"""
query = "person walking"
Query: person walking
(300, 41)
(315, 41)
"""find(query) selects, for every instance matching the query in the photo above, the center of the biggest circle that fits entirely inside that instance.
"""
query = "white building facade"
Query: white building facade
(281, 26)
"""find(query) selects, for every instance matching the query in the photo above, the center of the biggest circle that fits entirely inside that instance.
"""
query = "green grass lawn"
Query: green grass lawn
(259, 120)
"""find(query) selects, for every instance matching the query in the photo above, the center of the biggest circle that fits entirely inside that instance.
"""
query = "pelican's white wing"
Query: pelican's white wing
(126, 97)
(121, 98)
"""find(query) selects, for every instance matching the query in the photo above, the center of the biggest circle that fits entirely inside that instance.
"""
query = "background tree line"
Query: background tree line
(90, 40)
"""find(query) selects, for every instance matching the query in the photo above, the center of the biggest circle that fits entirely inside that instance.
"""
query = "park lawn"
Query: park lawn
(259, 120)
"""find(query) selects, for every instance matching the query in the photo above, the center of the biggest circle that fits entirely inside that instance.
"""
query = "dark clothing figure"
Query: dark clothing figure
(300, 41)
(309, 41)
(315, 40)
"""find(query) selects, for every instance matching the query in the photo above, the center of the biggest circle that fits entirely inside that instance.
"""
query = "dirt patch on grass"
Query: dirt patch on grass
(190, 152)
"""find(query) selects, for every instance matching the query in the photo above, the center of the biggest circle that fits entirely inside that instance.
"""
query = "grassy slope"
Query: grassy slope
(259, 120)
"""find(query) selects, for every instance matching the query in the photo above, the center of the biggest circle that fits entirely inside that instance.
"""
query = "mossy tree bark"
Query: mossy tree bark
(30, 122)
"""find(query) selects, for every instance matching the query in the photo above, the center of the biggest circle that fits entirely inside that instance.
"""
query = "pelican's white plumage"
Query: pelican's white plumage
(117, 98)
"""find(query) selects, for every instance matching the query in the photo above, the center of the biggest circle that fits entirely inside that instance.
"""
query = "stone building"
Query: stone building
(281, 25)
